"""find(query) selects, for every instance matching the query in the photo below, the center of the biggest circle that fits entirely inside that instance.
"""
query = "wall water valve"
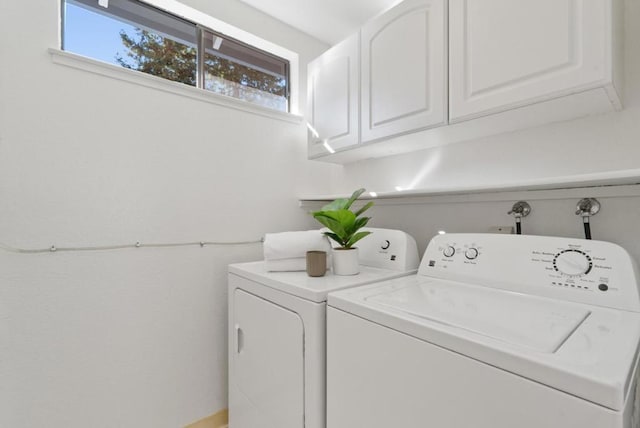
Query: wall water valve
(586, 208)
(520, 209)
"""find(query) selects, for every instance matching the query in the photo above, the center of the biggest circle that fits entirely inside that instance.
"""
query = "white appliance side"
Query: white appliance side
(243, 414)
(578, 270)
(378, 377)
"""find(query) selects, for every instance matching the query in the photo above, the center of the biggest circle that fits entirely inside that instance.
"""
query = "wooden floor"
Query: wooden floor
(217, 420)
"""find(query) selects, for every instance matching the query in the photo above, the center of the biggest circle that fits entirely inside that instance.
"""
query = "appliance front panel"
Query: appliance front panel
(268, 366)
(379, 378)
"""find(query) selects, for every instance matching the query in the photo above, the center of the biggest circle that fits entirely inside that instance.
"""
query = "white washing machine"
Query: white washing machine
(277, 333)
(495, 331)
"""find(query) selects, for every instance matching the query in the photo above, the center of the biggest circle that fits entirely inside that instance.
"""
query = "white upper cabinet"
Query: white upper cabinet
(332, 101)
(458, 70)
(404, 70)
(507, 53)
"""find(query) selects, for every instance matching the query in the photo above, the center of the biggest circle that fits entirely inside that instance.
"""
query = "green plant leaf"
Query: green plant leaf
(330, 223)
(356, 237)
(333, 236)
(360, 223)
(345, 217)
(363, 209)
(342, 222)
(353, 198)
(338, 204)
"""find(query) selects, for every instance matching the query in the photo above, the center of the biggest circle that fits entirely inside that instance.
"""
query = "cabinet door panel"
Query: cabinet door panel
(403, 70)
(399, 73)
(333, 98)
(508, 53)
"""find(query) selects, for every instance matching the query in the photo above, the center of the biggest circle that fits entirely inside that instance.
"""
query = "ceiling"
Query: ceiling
(327, 20)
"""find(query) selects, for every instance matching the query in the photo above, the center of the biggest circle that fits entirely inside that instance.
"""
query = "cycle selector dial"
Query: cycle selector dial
(385, 244)
(449, 251)
(572, 262)
(471, 253)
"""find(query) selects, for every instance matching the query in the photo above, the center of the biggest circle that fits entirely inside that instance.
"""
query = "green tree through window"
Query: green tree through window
(140, 37)
(160, 56)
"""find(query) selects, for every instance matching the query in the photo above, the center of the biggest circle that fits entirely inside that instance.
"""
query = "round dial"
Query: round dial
(449, 251)
(471, 253)
(572, 263)
(385, 244)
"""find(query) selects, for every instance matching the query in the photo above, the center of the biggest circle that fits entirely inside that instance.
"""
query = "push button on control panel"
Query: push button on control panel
(603, 287)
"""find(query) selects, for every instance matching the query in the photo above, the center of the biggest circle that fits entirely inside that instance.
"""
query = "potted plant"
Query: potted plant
(344, 228)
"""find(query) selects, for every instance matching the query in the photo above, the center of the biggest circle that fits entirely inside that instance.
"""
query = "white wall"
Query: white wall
(592, 144)
(134, 337)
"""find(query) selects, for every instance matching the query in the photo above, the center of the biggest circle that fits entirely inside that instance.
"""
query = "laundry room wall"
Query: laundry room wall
(553, 213)
(594, 144)
(133, 337)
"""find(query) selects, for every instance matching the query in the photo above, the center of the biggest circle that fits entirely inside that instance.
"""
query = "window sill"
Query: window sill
(115, 72)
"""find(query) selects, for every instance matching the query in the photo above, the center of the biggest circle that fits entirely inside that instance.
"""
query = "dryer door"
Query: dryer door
(269, 368)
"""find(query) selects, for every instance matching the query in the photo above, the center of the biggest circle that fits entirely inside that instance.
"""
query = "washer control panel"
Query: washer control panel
(584, 271)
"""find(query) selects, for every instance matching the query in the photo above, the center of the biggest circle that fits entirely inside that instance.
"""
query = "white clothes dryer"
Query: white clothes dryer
(277, 333)
(495, 331)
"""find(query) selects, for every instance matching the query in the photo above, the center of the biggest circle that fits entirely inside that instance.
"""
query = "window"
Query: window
(240, 71)
(137, 36)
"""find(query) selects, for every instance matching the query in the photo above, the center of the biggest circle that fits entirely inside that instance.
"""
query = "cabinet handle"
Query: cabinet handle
(239, 338)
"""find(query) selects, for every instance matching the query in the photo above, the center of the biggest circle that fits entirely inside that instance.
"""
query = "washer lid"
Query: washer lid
(315, 289)
(512, 318)
(584, 350)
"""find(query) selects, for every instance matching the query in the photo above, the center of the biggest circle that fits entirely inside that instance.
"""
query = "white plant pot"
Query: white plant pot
(345, 262)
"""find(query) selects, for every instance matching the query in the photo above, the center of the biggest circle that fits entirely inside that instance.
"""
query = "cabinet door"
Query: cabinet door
(404, 69)
(332, 100)
(508, 53)
(268, 369)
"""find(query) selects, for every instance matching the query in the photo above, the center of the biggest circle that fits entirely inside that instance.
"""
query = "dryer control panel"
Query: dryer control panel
(388, 249)
(584, 271)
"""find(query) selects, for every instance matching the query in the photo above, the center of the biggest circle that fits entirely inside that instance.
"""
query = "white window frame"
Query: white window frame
(199, 18)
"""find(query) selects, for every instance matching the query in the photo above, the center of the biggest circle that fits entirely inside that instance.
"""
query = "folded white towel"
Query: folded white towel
(291, 245)
(297, 264)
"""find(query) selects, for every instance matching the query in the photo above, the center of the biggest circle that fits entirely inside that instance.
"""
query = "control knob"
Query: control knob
(572, 262)
(471, 253)
(385, 244)
(449, 251)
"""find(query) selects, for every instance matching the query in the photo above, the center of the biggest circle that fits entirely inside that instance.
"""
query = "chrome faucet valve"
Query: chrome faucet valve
(520, 209)
(586, 208)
